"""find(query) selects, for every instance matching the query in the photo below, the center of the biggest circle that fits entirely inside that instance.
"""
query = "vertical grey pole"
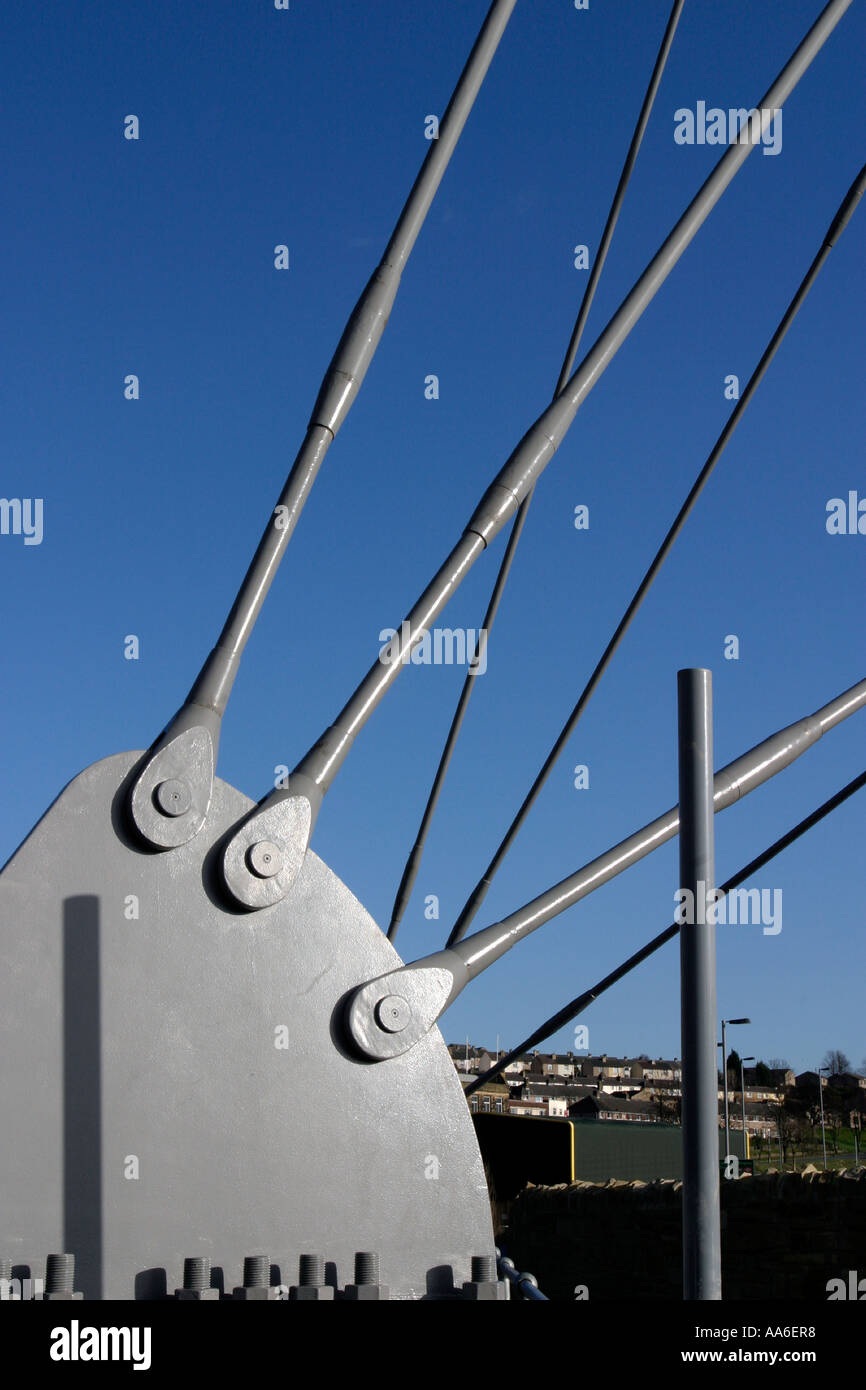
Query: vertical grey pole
(725, 1088)
(702, 1255)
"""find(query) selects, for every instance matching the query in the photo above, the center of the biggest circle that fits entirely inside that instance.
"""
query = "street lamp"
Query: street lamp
(743, 1061)
(821, 1099)
(724, 1047)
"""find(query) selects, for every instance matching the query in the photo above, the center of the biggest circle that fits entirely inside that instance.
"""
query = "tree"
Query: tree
(785, 1127)
(763, 1075)
(778, 1064)
(798, 1134)
(733, 1068)
(836, 1060)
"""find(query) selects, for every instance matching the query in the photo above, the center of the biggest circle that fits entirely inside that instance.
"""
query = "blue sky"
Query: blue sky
(155, 257)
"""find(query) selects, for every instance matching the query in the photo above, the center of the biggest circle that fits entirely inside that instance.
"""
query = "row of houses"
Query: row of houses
(633, 1090)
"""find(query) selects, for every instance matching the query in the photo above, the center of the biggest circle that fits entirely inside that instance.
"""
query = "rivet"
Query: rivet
(393, 1013)
(265, 859)
(173, 797)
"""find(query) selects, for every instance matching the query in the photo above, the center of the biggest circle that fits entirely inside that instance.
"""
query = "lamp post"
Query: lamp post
(724, 1047)
(743, 1061)
(821, 1100)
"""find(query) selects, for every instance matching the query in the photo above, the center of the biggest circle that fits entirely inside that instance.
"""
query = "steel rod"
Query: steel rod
(315, 773)
(570, 1011)
(479, 892)
(198, 721)
(349, 365)
(432, 983)
(413, 863)
(731, 783)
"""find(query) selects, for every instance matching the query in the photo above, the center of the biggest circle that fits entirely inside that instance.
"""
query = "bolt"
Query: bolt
(366, 1267)
(196, 1272)
(257, 1271)
(311, 1286)
(59, 1273)
(311, 1271)
(173, 797)
(484, 1287)
(265, 859)
(60, 1278)
(257, 1286)
(366, 1288)
(196, 1281)
(393, 1013)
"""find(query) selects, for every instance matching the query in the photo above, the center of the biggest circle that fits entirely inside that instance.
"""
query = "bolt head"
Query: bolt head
(393, 1013)
(485, 1293)
(265, 859)
(173, 797)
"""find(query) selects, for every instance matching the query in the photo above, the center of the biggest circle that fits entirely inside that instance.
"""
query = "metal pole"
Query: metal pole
(435, 981)
(743, 1101)
(725, 1086)
(576, 1006)
(702, 1250)
(732, 782)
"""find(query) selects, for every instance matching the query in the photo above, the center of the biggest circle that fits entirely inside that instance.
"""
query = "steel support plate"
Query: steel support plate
(173, 1080)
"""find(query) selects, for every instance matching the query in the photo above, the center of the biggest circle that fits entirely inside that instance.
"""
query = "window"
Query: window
(473, 1103)
(499, 1105)
(485, 1103)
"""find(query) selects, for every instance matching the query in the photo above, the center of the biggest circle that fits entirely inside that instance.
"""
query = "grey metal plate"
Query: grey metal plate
(155, 1038)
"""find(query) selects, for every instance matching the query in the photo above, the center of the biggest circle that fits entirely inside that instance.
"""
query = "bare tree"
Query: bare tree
(836, 1060)
(803, 1134)
(786, 1128)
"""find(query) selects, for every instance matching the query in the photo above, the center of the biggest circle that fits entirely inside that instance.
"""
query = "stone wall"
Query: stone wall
(784, 1235)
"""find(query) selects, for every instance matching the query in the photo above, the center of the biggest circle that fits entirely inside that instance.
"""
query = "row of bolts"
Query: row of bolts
(311, 1286)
